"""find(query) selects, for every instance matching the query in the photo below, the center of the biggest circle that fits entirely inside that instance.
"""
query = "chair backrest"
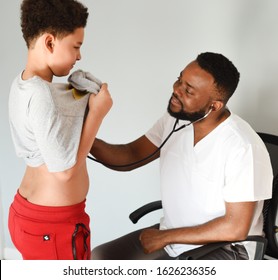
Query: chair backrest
(271, 205)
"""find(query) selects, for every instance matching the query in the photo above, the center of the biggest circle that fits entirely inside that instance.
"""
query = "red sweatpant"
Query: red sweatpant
(49, 233)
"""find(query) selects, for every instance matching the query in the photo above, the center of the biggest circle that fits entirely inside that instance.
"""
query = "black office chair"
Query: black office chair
(271, 205)
(266, 247)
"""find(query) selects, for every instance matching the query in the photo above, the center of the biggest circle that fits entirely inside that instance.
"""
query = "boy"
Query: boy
(47, 218)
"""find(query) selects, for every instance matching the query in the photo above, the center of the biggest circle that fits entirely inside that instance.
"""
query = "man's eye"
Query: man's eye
(188, 92)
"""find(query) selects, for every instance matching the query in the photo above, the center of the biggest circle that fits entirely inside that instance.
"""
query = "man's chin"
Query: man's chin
(177, 115)
(184, 116)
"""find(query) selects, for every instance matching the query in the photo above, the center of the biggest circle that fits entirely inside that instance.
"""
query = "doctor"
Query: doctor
(215, 173)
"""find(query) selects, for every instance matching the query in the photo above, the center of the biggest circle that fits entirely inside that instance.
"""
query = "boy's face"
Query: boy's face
(66, 52)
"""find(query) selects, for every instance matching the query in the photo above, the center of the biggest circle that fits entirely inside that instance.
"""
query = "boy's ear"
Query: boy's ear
(49, 42)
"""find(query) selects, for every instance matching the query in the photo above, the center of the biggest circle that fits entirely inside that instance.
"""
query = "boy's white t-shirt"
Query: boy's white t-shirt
(230, 164)
(46, 122)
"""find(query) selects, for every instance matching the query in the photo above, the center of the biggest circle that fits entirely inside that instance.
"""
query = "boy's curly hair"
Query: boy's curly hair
(58, 17)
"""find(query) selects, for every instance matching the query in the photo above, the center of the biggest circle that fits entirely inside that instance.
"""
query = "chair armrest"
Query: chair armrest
(136, 215)
(261, 245)
(195, 254)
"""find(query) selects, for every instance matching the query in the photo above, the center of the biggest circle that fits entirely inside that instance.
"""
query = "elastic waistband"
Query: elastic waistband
(46, 213)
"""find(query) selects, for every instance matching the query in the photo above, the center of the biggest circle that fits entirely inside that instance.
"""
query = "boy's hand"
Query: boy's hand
(101, 103)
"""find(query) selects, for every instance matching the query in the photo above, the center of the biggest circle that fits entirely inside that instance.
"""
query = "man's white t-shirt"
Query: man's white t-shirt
(230, 164)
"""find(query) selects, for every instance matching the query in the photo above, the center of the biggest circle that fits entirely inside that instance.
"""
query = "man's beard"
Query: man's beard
(182, 115)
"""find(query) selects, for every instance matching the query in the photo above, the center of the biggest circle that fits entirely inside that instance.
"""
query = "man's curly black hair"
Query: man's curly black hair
(58, 17)
(225, 74)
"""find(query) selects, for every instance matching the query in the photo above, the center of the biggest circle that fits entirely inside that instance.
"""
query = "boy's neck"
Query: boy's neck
(30, 73)
(36, 64)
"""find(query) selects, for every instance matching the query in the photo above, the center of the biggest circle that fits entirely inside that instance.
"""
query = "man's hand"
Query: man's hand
(152, 240)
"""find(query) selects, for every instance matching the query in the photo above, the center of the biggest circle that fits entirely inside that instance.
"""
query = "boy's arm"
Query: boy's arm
(99, 105)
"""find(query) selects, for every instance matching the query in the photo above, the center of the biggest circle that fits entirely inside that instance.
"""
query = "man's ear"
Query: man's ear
(49, 42)
(217, 105)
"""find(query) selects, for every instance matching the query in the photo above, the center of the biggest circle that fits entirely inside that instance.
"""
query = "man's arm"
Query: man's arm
(114, 156)
(233, 226)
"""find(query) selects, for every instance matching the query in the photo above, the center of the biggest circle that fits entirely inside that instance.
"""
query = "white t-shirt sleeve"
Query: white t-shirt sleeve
(247, 170)
(156, 132)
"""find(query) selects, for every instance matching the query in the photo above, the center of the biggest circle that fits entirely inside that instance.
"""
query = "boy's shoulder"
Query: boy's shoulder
(33, 84)
(35, 89)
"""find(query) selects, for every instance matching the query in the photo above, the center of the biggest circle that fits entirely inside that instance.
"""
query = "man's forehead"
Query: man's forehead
(189, 65)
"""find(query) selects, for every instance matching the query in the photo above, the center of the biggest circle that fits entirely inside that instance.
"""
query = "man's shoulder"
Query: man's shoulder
(240, 131)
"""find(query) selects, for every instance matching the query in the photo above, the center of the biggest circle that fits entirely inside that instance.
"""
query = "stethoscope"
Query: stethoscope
(174, 129)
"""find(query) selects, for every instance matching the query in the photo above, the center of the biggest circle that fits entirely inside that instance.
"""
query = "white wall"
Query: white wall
(139, 47)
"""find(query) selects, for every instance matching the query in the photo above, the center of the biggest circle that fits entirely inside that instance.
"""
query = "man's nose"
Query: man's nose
(177, 88)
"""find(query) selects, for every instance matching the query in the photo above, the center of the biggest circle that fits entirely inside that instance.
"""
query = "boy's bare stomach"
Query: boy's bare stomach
(44, 188)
